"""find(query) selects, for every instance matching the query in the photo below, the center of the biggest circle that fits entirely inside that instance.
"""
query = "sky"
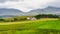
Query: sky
(27, 5)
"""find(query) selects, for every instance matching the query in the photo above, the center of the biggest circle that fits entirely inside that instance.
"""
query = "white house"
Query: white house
(31, 18)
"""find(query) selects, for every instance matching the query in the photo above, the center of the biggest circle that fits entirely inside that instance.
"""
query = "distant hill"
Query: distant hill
(6, 11)
(47, 10)
(16, 12)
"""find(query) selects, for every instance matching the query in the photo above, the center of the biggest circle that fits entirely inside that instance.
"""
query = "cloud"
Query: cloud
(26, 5)
(56, 3)
(2, 1)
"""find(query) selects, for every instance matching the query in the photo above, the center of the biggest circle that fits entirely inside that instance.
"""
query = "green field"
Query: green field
(31, 27)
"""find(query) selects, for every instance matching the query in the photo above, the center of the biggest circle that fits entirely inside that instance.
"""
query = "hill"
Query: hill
(47, 10)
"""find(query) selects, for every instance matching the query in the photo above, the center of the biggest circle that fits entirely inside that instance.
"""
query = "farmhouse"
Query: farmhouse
(31, 18)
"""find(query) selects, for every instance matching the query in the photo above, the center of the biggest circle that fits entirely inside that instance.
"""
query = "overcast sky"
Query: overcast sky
(27, 5)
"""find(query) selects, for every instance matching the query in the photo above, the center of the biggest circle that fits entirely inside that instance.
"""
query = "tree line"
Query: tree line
(46, 16)
(23, 18)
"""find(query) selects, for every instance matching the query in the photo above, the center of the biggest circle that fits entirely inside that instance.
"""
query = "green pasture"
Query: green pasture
(31, 27)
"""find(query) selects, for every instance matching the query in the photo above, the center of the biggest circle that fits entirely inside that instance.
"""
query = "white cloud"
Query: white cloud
(26, 5)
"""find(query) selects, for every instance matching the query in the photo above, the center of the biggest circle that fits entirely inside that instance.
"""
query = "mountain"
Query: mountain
(16, 12)
(47, 10)
(52, 10)
(6, 11)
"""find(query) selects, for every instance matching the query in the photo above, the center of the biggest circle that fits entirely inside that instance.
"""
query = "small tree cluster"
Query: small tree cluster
(46, 16)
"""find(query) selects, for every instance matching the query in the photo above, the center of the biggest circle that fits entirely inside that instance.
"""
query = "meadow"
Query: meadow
(41, 26)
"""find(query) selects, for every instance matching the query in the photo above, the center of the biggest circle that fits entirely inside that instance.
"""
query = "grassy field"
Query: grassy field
(42, 26)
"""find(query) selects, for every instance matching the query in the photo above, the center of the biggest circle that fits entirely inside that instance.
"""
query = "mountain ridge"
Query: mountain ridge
(16, 12)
